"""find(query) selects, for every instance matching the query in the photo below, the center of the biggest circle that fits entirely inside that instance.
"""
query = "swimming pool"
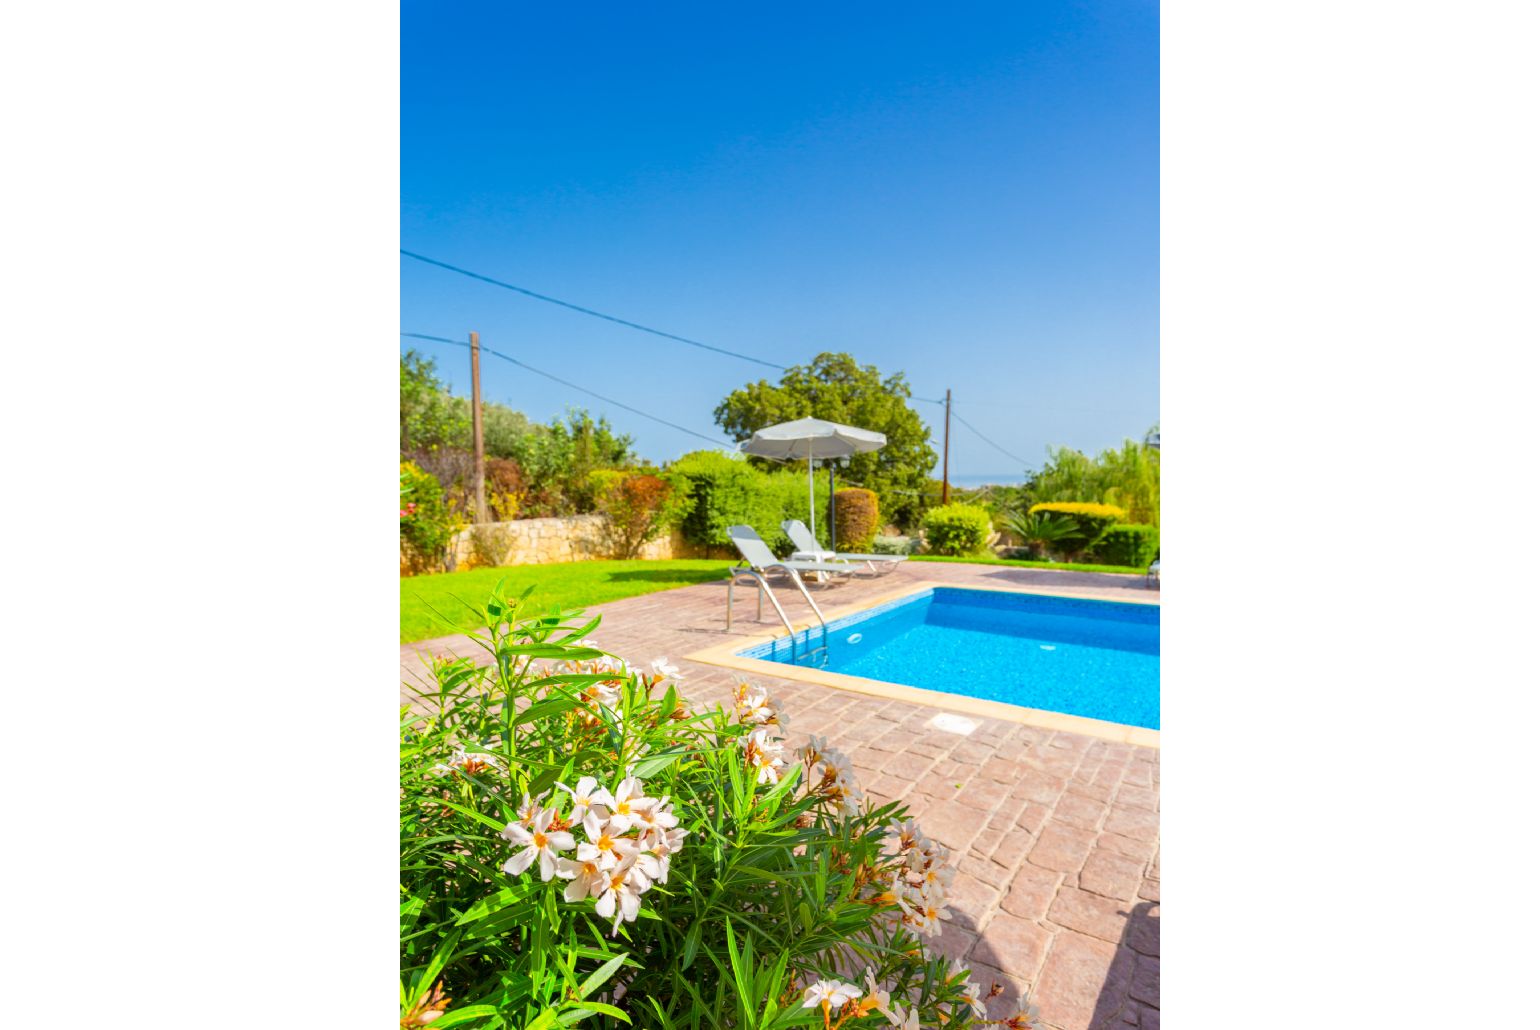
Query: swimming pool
(1096, 659)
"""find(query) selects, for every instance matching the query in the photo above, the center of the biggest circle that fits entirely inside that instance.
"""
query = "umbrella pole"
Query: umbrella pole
(811, 522)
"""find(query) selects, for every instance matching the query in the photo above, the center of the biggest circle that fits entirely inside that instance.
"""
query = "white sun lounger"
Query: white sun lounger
(760, 562)
(809, 549)
(1152, 573)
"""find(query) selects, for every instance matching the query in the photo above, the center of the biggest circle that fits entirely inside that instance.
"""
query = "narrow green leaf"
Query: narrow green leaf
(600, 975)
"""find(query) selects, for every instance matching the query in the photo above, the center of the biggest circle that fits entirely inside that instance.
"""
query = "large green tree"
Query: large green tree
(835, 388)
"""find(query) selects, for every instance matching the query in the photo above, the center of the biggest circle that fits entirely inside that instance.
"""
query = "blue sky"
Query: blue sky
(966, 193)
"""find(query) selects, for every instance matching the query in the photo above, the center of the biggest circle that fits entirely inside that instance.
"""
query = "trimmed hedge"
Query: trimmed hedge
(855, 519)
(726, 492)
(956, 529)
(1133, 545)
(1092, 520)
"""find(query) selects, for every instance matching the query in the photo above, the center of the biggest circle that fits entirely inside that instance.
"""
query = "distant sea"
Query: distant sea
(989, 479)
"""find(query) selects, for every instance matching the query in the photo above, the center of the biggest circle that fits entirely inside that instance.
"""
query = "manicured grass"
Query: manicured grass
(1023, 563)
(570, 585)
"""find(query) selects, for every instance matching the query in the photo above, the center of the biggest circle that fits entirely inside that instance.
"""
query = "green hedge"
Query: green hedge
(1133, 545)
(726, 492)
(956, 529)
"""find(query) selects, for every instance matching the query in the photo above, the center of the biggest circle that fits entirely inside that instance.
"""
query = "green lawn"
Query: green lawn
(570, 585)
(1022, 563)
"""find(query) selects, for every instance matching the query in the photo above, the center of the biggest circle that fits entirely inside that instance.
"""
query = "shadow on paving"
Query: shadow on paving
(1128, 995)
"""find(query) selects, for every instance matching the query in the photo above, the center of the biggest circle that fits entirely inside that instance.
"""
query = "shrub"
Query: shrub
(577, 844)
(726, 491)
(427, 522)
(1091, 520)
(956, 529)
(892, 545)
(636, 506)
(489, 546)
(855, 519)
(1132, 545)
(505, 488)
(1045, 533)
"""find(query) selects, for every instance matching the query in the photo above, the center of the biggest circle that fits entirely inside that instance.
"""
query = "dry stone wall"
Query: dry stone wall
(547, 541)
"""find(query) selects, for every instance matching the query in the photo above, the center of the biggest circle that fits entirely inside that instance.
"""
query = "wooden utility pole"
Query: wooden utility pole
(481, 463)
(946, 450)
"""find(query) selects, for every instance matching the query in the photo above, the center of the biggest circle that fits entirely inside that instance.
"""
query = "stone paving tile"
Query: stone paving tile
(1055, 835)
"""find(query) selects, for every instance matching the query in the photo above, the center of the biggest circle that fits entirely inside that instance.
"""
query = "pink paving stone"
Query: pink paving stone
(907, 764)
(1110, 874)
(1136, 797)
(952, 825)
(985, 869)
(971, 897)
(1138, 823)
(1062, 848)
(1039, 786)
(893, 788)
(1031, 892)
(1014, 945)
(1090, 914)
(1074, 977)
(978, 796)
(986, 842)
(1031, 818)
(1003, 770)
(1149, 890)
(1143, 850)
(955, 939)
(1077, 810)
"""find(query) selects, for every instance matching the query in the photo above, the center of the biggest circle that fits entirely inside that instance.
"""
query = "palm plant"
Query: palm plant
(1044, 532)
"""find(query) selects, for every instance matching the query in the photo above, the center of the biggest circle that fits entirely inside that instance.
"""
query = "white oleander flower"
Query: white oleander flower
(627, 803)
(656, 817)
(764, 756)
(609, 843)
(621, 893)
(970, 990)
(588, 877)
(659, 848)
(590, 804)
(909, 1020)
(666, 669)
(538, 841)
(876, 997)
(468, 762)
(1026, 1019)
(530, 807)
(831, 993)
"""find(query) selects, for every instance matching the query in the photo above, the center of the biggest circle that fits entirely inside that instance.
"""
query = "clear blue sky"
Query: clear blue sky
(967, 193)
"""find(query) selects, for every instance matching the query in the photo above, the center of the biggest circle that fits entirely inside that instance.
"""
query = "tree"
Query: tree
(429, 417)
(1128, 477)
(835, 388)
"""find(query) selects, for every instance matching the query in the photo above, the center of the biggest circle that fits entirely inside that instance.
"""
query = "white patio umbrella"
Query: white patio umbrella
(811, 438)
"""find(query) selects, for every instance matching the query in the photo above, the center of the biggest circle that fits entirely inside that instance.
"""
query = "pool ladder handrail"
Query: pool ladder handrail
(759, 610)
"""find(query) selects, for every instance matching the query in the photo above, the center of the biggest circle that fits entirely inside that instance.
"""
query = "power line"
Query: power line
(1024, 463)
(575, 386)
(590, 311)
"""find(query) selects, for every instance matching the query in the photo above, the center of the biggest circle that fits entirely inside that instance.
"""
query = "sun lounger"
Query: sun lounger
(762, 560)
(1152, 573)
(809, 549)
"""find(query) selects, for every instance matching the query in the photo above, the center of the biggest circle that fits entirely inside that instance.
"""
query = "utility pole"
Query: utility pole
(946, 450)
(481, 464)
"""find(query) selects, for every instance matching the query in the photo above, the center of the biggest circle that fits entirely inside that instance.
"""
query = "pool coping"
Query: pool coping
(726, 655)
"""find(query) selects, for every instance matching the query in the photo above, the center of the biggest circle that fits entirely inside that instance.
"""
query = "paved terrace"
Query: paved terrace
(1055, 835)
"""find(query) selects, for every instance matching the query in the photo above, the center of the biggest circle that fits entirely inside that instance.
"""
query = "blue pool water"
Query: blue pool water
(1099, 659)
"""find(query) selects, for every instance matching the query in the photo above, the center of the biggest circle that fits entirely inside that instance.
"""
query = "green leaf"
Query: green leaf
(600, 975)
(654, 764)
(478, 816)
(464, 1015)
(492, 903)
(601, 1007)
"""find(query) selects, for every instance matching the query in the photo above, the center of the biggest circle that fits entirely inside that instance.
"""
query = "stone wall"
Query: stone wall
(573, 538)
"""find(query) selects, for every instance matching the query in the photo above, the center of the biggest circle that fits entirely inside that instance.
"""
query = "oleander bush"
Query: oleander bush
(428, 523)
(1127, 545)
(956, 529)
(637, 507)
(580, 846)
(855, 519)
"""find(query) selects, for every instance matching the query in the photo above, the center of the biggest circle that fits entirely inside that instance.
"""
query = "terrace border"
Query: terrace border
(726, 656)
